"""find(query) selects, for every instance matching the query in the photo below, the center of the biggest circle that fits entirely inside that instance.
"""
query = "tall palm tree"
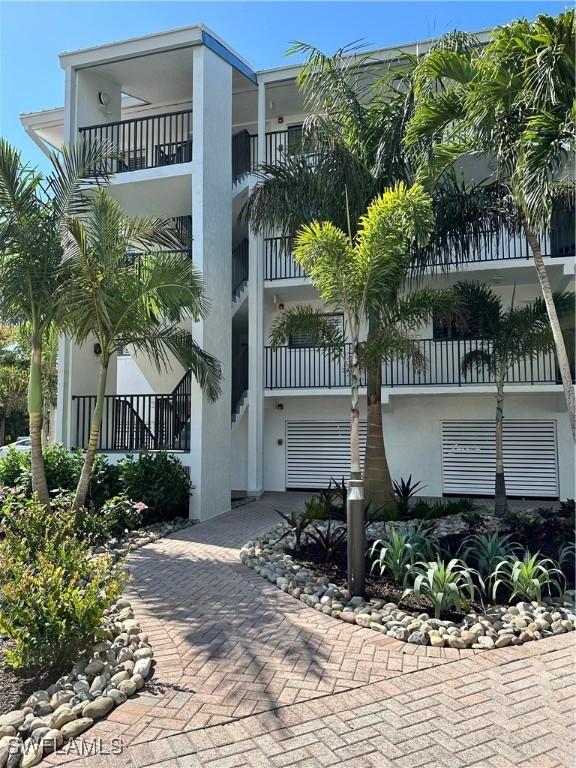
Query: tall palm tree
(511, 100)
(510, 336)
(33, 275)
(356, 275)
(140, 300)
(356, 122)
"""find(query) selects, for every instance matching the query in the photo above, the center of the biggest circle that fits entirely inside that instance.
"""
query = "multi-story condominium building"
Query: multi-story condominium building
(191, 120)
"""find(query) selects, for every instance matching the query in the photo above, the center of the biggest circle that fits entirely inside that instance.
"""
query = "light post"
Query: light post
(356, 538)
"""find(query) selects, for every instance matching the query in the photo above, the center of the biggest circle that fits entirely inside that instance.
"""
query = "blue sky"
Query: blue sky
(32, 34)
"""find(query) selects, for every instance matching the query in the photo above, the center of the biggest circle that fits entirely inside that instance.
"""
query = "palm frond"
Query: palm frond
(306, 321)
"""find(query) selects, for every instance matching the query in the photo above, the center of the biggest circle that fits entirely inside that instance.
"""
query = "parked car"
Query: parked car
(20, 444)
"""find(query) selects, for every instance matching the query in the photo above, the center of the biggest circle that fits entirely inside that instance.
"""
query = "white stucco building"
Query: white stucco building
(191, 119)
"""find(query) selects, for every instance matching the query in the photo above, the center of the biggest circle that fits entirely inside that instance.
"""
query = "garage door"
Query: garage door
(530, 458)
(317, 451)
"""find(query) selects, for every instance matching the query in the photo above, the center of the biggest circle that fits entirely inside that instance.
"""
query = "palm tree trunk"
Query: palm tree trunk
(378, 488)
(35, 400)
(355, 473)
(561, 355)
(84, 481)
(500, 484)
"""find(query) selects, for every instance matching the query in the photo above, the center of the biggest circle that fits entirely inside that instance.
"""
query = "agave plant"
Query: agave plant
(397, 553)
(528, 577)
(446, 585)
(486, 550)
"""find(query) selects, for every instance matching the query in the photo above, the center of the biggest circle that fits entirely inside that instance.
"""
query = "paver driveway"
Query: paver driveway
(247, 676)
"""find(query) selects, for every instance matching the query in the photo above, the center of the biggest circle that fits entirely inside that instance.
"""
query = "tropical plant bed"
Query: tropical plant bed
(115, 669)
(385, 607)
(43, 709)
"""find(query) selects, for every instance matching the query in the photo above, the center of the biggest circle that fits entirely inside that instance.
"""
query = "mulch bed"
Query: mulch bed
(17, 684)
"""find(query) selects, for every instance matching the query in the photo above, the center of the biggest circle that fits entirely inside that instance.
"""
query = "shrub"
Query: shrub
(528, 577)
(63, 469)
(424, 510)
(400, 550)
(159, 481)
(486, 550)
(446, 585)
(121, 514)
(53, 595)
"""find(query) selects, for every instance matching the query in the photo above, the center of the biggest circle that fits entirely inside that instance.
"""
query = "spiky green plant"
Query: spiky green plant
(446, 585)
(486, 550)
(528, 577)
(397, 553)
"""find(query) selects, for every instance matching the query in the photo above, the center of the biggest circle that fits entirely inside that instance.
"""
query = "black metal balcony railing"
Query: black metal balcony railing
(279, 264)
(146, 142)
(240, 258)
(137, 422)
(311, 367)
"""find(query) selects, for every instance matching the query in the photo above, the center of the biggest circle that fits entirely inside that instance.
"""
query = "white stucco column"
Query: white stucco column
(210, 427)
(256, 333)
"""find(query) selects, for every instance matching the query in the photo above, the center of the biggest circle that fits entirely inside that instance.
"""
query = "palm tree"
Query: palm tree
(356, 276)
(357, 116)
(139, 300)
(513, 334)
(511, 100)
(33, 275)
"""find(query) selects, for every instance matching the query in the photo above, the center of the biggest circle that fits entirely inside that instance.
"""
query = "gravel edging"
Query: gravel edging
(115, 670)
(498, 627)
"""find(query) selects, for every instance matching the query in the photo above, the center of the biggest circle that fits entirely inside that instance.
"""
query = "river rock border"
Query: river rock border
(115, 670)
(498, 627)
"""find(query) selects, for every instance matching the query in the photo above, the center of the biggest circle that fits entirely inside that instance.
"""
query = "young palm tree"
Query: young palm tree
(357, 276)
(511, 100)
(140, 300)
(357, 116)
(513, 335)
(33, 276)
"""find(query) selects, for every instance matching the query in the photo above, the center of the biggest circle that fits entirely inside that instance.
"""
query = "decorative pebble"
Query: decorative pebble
(497, 626)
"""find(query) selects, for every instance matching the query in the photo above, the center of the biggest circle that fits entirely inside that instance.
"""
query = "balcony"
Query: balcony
(314, 368)
(146, 142)
(279, 264)
(137, 422)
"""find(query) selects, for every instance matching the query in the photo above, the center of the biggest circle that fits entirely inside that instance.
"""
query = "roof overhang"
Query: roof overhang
(184, 37)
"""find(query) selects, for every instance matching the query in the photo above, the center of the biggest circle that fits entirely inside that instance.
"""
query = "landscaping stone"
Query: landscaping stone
(13, 719)
(98, 708)
(497, 626)
(60, 718)
(142, 667)
(76, 727)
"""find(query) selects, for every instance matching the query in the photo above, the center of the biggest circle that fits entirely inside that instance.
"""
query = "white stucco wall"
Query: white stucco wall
(412, 430)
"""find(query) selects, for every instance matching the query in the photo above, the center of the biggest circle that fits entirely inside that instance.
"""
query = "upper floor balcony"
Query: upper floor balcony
(155, 141)
(297, 368)
(279, 262)
(146, 142)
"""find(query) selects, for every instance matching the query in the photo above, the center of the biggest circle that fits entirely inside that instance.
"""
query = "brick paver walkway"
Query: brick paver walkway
(247, 676)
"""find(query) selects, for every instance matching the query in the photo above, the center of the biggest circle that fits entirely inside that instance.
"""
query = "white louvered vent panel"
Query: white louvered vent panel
(317, 451)
(530, 458)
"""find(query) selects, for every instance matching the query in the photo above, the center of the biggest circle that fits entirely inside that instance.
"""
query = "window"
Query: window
(442, 329)
(299, 340)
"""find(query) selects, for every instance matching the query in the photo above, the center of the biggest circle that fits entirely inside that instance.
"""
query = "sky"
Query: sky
(32, 34)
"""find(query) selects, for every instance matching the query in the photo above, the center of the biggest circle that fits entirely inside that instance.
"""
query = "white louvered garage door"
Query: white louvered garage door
(317, 451)
(530, 458)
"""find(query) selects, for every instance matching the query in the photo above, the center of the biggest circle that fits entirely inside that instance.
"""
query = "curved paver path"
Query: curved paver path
(246, 675)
